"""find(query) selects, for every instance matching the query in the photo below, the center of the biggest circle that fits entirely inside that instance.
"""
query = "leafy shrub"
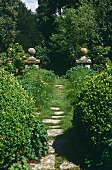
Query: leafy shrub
(17, 122)
(38, 146)
(93, 117)
(39, 84)
(22, 165)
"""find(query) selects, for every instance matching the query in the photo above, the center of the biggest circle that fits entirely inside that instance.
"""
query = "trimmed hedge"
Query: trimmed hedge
(17, 123)
(93, 119)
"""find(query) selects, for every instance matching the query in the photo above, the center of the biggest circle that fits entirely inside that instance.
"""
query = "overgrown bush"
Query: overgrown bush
(18, 123)
(79, 71)
(39, 84)
(93, 119)
(78, 76)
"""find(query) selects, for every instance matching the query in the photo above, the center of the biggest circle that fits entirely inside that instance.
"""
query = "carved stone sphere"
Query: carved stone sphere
(32, 51)
(84, 51)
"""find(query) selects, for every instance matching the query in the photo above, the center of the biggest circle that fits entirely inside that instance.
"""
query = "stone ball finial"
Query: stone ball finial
(32, 51)
(83, 51)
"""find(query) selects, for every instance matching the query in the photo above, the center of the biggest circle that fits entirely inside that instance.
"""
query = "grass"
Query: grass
(60, 100)
(59, 161)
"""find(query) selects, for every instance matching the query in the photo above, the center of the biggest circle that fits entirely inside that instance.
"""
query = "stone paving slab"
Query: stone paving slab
(54, 127)
(51, 121)
(46, 163)
(38, 113)
(58, 112)
(51, 149)
(50, 143)
(55, 108)
(59, 85)
(57, 117)
(54, 132)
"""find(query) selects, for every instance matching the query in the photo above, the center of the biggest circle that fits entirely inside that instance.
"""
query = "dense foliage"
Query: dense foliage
(93, 121)
(21, 133)
(22, 165)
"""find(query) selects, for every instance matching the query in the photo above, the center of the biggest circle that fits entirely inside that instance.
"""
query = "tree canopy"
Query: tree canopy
(75, 28)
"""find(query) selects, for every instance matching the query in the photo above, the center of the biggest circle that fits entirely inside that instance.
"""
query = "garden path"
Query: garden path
(57, 144)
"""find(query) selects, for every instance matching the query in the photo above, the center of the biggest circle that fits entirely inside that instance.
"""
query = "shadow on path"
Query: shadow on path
(64, 146)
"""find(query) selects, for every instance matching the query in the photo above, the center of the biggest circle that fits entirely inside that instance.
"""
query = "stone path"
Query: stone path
(55, 145)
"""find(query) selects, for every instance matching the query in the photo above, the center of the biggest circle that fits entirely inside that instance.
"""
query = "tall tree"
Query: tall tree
(8, 18)
(104, 19)
(28, 35)
(101, 50)
(45, 17)
(76, 27)
(47, 10)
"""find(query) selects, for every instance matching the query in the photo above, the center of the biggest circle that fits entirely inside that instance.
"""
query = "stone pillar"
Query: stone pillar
(84, 60)
(32, 60)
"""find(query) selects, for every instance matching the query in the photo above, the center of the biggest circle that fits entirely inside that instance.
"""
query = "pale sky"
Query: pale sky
(31, 4)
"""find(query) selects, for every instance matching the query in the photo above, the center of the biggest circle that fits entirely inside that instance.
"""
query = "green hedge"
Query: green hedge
(17, 122)
(93, 119)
